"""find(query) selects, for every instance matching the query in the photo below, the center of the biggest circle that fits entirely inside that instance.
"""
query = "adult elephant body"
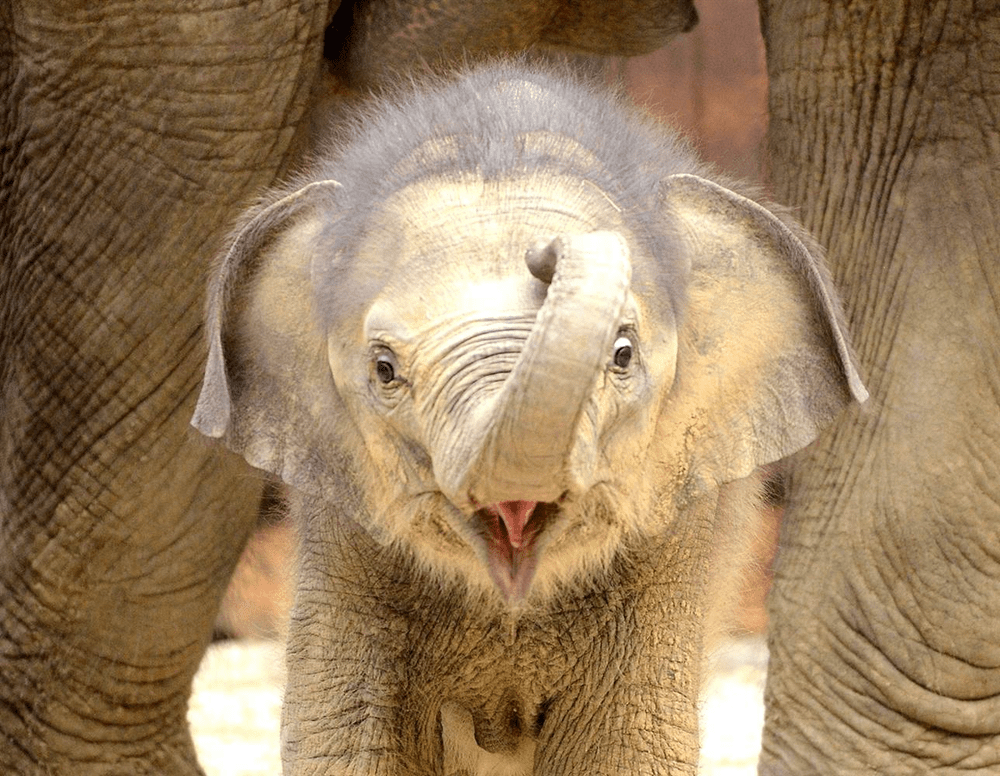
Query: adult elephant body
(131, 136)
(127, 144)
(884, 617)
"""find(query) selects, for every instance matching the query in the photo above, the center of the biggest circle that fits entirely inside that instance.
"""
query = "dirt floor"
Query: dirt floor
(236, 708)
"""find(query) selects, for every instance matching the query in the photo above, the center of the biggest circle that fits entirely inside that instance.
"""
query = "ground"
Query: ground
(236, 708)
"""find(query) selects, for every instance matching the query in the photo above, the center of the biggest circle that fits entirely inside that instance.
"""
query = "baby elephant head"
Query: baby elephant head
(512, 325)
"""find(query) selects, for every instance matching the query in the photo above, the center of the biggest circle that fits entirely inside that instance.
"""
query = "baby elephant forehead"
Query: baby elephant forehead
(488, 221)
(458, 246)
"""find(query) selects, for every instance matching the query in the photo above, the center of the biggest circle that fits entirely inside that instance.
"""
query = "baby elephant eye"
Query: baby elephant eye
(622, 352)
(385, 368)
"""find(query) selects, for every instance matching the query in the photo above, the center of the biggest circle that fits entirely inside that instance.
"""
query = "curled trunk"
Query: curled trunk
(527, 434)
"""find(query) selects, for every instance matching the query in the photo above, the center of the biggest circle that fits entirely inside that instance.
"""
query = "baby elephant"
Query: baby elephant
(509, 348)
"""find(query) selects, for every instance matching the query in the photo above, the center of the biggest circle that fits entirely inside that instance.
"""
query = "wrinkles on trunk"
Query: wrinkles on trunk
(518, 446)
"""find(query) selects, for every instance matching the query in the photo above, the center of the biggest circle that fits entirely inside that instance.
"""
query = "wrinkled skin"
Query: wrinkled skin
(515, 373)
(118, 173)
(885, 615)
(132, 135)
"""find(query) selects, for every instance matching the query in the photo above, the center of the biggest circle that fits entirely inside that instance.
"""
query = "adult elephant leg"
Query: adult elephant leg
(129, 144)
(885, 612)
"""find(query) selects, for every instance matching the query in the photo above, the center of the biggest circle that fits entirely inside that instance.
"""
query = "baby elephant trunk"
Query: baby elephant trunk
(523, 451)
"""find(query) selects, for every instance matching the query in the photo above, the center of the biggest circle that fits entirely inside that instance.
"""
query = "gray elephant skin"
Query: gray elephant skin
(516, 358)
(884, 626)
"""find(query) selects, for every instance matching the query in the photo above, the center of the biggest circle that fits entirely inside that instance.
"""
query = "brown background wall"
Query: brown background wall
(712, 83)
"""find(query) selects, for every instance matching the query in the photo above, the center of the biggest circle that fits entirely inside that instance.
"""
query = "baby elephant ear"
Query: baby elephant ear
(763, 360)
(266, 376)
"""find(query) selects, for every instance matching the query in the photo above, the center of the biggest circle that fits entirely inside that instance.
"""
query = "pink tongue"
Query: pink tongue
(514, 515)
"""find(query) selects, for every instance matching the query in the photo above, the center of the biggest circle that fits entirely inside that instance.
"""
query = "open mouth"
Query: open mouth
(512, 530)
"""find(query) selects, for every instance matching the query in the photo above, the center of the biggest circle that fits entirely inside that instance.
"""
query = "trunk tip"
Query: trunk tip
(541, 259)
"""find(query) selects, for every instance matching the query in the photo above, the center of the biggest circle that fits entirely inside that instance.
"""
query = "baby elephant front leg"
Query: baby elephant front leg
(631, 703)
(344, 706)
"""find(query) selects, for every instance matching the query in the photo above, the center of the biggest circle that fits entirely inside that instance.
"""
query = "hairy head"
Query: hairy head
(500, 122)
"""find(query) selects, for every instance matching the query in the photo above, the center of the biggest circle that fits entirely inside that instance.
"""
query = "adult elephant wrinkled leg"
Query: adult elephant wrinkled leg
(111, 586)
(885, 613)
(123, 164)
(118, 528)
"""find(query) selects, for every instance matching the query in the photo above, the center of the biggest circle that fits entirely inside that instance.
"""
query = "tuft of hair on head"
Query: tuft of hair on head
(498, 121)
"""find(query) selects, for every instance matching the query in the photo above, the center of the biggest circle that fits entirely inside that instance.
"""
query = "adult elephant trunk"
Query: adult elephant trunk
(519, 444)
